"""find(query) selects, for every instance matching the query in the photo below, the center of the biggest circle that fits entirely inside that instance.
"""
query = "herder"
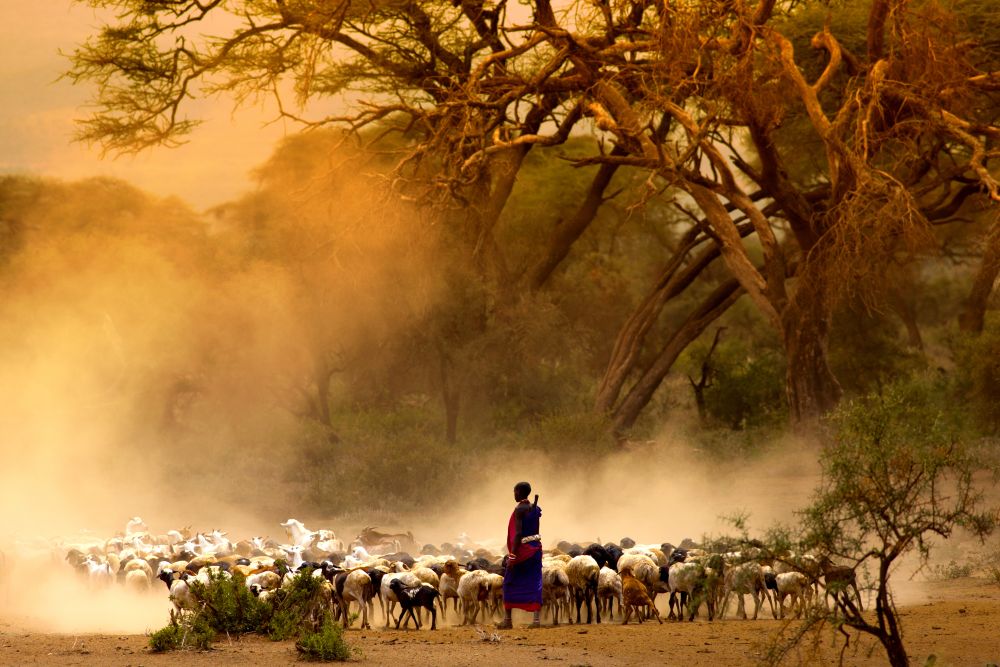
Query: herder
(522, 580)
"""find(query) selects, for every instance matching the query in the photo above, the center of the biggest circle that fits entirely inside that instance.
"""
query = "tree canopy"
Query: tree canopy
(814, 148)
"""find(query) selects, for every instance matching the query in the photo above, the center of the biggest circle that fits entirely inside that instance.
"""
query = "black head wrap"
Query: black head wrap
(521, 491)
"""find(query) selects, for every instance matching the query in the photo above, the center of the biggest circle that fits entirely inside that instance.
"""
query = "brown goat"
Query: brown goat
(635, 595)
(840, 579)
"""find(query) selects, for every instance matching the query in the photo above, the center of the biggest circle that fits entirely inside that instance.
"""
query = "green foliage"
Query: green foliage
(977, 374)
(895, 475)
(186, 630)
(748, 392)
(898, 450)
(951, 570)
(226, 606)
(746, 379)
(397, 452)
(284, 624)
(324, 645)
(579, 433)
(868, 353)
(166, 639)
(299, 608)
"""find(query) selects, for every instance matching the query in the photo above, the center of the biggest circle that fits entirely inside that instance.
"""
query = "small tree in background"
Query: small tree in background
(896, 475)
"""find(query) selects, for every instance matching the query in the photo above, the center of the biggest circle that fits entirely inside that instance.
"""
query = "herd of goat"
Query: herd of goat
(375, 565)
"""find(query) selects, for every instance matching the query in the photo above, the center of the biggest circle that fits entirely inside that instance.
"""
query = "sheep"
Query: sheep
(599, 554)
(267, 580)
(642, 551)
(260, 593)
(138, 564)
(696, 583)
(427, 576)
(796, 586)
(77, 560)
(583, 576)
(707, 589)
(369, 537)
(555, 589)
(562, 558)
(807, 564)
(745, 579)
(474, 591)
(609, 589)
(449, 585)
(388, 597)
(98, 574)
(376, 573)
(634, 595)
(683, 578)
(353, 586)
(496, 593)
(614, 553)
(415, 596)
(206, 574)
(180, 593)
(137, 581)
(358, 556)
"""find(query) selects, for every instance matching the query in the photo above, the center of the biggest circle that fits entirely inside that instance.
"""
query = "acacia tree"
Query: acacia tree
(703, 96)
(897, 476)
(712, 99)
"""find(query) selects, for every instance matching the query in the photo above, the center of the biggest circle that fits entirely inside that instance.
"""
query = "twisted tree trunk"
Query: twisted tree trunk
(973, 315)
(638, 397)
(811, 387)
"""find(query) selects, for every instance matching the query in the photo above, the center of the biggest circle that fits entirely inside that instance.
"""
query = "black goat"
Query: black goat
(411, 597)
(614, 553)
(598, 553)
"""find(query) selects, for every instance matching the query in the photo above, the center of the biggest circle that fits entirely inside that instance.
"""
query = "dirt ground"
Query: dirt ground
(958, 621)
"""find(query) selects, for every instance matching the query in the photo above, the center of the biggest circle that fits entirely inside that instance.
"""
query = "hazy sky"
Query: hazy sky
(37, 116)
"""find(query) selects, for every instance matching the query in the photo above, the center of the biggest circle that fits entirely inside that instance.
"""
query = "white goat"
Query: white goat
(745, 579)
(297, 533)
(555, 589)
(354, 589)
(474, 593)
(583, 575)
(609, 589)
(452, 574)
(388, 597)
(796, 586)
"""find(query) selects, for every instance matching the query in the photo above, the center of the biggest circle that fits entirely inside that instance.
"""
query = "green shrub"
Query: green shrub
(747, 391)
(977, 374)
(952, 570)
(186, 630)
(228, 605)
(284, 624)
(325, 645)
(297, 609)
(225, 605)
(166, 639)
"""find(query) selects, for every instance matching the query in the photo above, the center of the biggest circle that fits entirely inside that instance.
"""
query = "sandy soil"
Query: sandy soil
(958, 621)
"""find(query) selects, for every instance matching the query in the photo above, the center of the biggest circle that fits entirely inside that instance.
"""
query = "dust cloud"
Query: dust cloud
(42, 594)
(147, 357)
(660, 491)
